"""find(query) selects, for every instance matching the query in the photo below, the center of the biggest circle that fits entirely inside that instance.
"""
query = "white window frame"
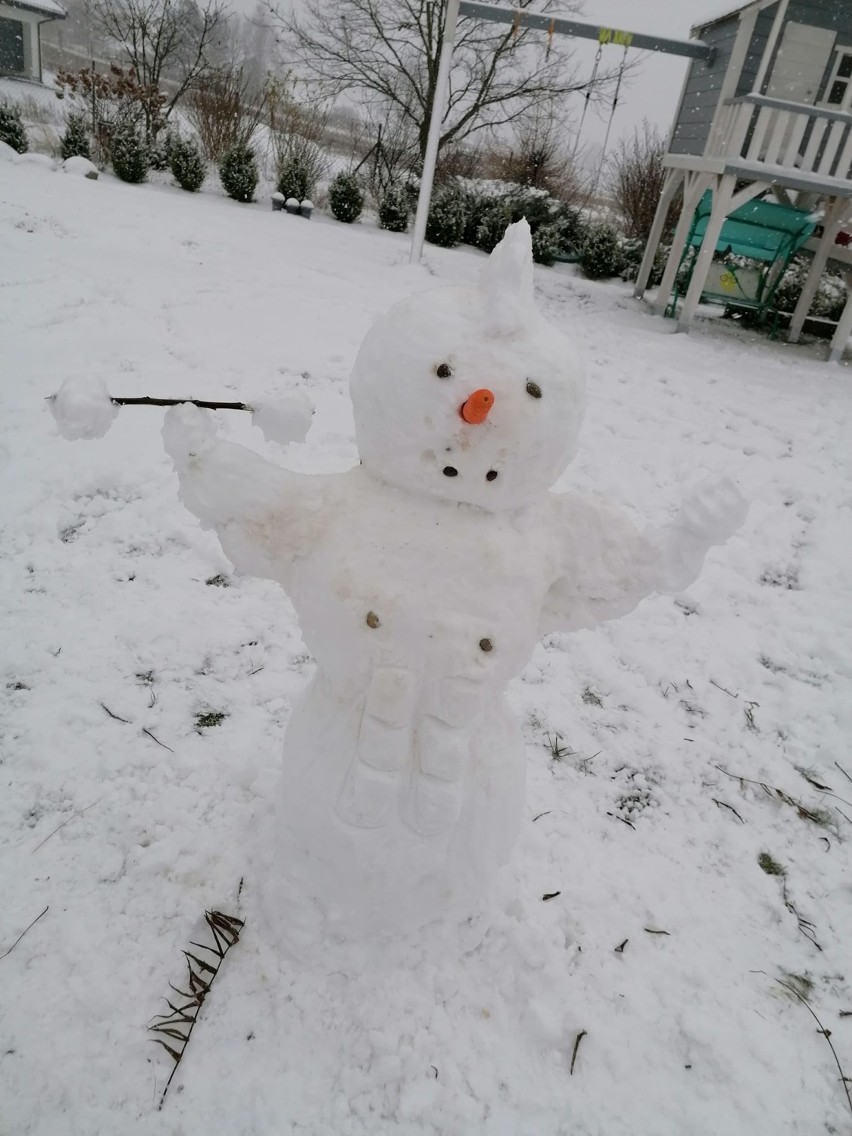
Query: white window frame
(840, 54)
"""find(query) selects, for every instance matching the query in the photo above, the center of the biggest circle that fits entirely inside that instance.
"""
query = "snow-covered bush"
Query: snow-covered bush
(492, 225)
(346, 198)
(238, 173)
(547, 245)
(600, 256)
(831, 293)
(160, 151)
(75, 140)
(445, 223)
(129, 155)
(393, 209)
(294, 177)
(12, 130)
(187, 164)
(632, 249)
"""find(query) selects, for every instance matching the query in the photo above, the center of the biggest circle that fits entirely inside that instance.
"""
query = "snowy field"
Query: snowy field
(635, 915)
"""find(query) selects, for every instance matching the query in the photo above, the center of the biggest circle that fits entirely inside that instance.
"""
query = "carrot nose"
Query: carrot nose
(476, 409)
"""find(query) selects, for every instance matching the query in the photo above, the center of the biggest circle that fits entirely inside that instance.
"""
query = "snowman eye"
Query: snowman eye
(533, 389)
(444, 371)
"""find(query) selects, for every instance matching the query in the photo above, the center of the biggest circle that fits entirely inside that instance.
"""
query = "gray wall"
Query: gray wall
(695, 113)
(756, 48)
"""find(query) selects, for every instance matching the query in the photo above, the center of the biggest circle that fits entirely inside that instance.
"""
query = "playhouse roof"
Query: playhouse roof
(720, 10)
(45, 7)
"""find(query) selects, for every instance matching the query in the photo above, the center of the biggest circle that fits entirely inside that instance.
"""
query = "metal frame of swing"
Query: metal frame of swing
(520, 18)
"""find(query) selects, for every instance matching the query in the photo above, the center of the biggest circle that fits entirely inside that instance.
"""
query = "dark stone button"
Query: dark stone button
(372, 619)
(486, 645)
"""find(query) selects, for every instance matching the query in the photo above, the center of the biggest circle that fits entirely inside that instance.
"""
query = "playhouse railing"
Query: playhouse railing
(757, 129)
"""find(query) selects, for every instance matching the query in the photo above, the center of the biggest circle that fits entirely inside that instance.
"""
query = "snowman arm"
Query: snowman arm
(264, 515)
(608, 566)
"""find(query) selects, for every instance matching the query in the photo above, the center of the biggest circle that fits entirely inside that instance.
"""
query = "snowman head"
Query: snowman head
(468, 394)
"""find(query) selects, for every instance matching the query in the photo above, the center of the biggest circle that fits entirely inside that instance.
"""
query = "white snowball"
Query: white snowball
(80, 166)
(83, 409)
(285, 420)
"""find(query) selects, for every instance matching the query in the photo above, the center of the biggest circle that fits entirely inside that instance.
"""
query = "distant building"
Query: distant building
(20, 35)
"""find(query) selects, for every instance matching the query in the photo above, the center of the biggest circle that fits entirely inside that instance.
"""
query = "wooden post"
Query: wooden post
(670, 188)
(693, 188)
(844, 327)
(833, 215)
(439, 104)
(721, 202)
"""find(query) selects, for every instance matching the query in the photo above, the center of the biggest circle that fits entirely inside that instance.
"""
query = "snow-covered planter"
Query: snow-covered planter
(277, 202)
(292, 205)
(306, 208)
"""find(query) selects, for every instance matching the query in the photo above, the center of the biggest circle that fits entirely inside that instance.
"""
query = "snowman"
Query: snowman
(423, 578)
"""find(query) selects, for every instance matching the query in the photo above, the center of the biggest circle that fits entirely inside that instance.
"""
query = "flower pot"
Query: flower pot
(306, 209)
(292, 206)
(277, 202)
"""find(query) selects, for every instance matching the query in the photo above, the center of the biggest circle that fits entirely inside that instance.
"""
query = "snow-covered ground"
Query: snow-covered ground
(635, 914)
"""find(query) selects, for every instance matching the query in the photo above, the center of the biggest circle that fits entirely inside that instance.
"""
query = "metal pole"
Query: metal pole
(439, 105)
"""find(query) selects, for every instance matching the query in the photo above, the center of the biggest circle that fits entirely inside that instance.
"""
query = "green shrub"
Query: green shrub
(75, 140)
(829, 300)
(346, 198)
(294, 178)
(238, 172)
(393, 209)
(600, 255)
(632, 252)
(160, 151)
(12, 130)
(129, 155)
(187, 165)
(446, 221)
(547, 244)
(492, 226)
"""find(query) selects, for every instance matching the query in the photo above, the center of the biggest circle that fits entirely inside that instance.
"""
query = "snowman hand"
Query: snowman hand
(710, 515)
(188, 434)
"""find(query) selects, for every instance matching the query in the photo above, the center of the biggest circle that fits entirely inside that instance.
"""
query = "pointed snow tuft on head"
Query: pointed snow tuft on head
(507, 282)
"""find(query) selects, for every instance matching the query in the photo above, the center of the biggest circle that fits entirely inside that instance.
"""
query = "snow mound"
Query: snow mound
(284, 420)
(82, 408)
(80, 166)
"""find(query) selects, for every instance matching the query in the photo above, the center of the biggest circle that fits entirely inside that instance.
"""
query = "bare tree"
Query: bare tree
(173, 40)
(539, 156)
(226, 110)
(388, 51)
(636, 180)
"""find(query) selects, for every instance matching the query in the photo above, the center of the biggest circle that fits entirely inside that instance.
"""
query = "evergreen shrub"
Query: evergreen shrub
(75, 140)
(187, 165)
(128, 154)
(346, 198)
(238, 172)
(12, 130)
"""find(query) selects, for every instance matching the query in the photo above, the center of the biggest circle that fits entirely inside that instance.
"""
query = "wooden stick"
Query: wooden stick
(203, 403)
